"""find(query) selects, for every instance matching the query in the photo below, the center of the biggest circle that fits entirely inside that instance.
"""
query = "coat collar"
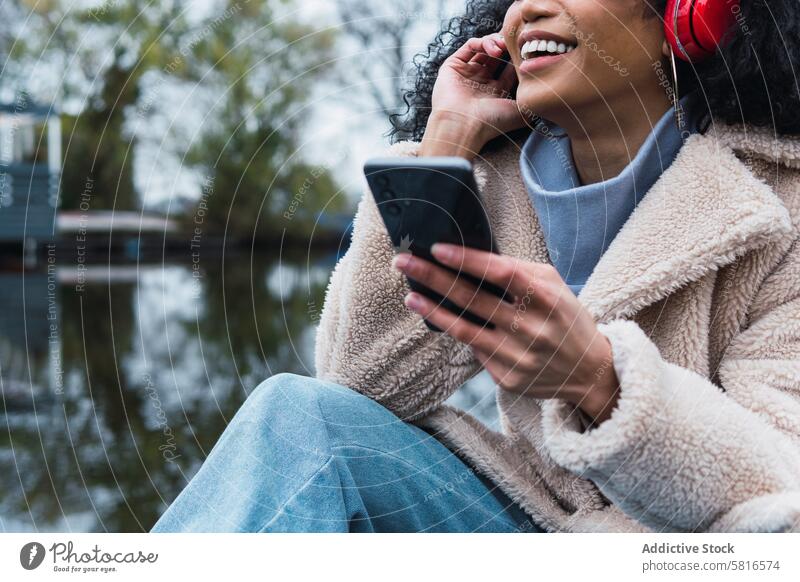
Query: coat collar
(706, 210)
(760, 142)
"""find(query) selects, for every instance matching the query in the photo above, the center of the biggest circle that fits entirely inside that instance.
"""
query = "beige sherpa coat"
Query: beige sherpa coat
(699, 295)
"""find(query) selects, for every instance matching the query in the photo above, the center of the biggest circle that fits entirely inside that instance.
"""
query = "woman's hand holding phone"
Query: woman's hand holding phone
(544, 344)
(469, 106)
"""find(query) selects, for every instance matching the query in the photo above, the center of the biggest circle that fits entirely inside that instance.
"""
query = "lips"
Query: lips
(540, 48)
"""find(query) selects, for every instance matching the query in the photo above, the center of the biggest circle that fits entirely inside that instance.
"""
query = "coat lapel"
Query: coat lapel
(705, 210)
(515, 225)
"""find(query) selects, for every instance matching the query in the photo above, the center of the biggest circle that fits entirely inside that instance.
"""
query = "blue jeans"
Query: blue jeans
(303, 455)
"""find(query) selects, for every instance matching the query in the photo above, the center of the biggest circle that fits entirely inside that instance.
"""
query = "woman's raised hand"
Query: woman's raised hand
(469, 106)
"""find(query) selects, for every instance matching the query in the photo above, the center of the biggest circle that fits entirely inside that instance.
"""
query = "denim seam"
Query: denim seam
(508, 522)
(406, 462)
(281, 509)
(279, 512)
(325, 423)
(340, 445)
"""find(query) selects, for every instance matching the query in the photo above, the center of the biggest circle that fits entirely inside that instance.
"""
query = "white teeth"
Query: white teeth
(551, 46)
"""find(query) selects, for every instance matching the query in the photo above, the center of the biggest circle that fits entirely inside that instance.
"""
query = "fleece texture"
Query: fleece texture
(699, 296)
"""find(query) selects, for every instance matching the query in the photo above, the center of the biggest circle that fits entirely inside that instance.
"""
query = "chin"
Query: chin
(539, 99)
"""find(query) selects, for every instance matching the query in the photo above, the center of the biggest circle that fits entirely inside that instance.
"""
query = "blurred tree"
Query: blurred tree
(10, 13)
(262, 67)
(91, 60)
(244, 66)
(386, 37)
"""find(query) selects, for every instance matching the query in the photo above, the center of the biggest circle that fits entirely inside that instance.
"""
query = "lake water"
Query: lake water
(117, 381)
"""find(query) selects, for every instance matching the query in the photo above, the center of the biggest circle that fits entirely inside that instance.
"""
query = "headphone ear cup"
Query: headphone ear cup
(695, 29)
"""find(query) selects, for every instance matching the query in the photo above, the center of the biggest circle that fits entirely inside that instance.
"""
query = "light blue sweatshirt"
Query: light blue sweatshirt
(580, 221)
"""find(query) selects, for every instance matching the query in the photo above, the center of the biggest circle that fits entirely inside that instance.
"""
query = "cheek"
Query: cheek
(511, 23)
(618, 51)
(511, 19)
(629, 34)
(637, 50)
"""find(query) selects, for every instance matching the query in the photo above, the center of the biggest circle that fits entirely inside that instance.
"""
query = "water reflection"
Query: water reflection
(118, 381)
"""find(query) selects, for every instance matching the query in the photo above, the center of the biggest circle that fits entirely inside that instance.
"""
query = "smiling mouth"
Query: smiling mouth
(540, 48)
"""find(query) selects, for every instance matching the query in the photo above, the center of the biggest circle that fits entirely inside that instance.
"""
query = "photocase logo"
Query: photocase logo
(31, 555)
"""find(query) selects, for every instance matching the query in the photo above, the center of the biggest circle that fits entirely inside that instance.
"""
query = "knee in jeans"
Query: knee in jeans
(301, 394)
(280, 386)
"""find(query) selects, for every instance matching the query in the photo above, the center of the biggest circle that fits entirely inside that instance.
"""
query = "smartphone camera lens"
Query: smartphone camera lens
(393, 208)
(388, 194)
(382, 181)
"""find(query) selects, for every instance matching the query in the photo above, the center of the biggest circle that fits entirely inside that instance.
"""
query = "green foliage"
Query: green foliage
(264, 68)
(248, 70)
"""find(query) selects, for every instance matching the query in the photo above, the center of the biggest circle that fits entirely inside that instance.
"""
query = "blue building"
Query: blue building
(30, 170)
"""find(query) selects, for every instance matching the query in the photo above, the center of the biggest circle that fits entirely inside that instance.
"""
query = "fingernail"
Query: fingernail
(413, 301)
(443, 251)
(401, 261)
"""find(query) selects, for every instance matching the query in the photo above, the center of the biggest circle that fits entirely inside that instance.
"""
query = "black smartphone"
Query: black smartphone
(505, 61)
(433, 199)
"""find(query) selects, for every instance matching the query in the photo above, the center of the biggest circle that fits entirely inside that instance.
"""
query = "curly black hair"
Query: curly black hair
(750, 80)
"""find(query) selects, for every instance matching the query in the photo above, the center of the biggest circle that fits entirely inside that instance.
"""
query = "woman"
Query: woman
(648, 373)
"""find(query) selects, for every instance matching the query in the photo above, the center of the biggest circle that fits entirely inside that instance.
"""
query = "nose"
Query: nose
(533, 10)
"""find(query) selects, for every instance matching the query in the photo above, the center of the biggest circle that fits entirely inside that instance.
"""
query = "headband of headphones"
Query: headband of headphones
(695, 29)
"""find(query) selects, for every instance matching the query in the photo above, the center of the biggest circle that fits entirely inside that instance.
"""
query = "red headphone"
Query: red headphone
(695, 29)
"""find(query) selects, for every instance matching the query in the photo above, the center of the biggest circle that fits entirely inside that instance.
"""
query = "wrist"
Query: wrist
(600, 395)
(601, 398)
(448, 133)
